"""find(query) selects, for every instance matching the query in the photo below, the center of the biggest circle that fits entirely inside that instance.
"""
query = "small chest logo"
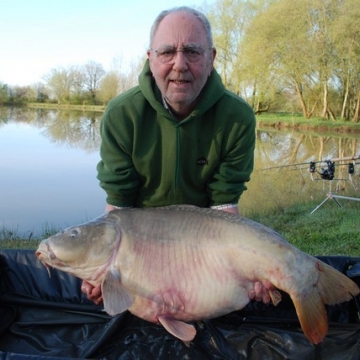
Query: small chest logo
(202, 161)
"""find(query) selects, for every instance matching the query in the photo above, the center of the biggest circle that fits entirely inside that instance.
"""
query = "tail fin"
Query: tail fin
(332, 287)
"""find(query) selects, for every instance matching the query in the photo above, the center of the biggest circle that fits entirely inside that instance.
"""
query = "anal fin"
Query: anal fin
(179, 329)
(275, 296)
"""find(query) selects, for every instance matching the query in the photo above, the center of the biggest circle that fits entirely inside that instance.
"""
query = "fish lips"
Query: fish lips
(45, 254)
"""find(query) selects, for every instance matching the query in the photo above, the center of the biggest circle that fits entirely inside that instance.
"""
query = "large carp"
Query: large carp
(179, 264)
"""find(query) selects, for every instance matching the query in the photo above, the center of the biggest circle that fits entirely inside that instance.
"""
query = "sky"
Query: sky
(39, 35)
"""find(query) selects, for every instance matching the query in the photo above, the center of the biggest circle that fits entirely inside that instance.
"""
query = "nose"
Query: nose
(180, 62)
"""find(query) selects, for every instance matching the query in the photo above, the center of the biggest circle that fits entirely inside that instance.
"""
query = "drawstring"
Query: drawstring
(177, 164)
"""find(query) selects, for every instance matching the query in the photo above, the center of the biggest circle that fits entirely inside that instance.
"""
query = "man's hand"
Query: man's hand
(93, 293)
(109, 208)
(261, 291)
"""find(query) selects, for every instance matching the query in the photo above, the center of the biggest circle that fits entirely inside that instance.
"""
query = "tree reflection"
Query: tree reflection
(285, 149)
(74, 129)
(282, 164)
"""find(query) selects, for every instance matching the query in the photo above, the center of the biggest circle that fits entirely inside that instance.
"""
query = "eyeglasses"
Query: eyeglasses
(167, 54)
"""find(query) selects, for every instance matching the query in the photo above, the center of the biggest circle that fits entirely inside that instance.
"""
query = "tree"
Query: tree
(92, 73)
(109, 86)
(61, 82)
(346, 34)
(40, 92)
(4, 93)
(297, 44)
(117, 80)
(231, 21)
(20, 94)
(229, 18)
(277, 48)
(272, 49)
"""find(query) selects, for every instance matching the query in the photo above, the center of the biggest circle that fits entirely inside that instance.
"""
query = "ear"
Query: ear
(150, 59)
(213, 54)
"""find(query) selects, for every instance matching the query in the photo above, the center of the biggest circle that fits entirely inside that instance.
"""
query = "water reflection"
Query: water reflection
(282, 168)
(49, 157)
(71, 128)
(75, 130)
(48, 176)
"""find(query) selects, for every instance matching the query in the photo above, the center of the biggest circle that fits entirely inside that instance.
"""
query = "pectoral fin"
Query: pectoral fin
(179, 329)
(116, 297)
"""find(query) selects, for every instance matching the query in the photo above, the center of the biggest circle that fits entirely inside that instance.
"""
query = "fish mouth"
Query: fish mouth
(42, 257)
(47, 257)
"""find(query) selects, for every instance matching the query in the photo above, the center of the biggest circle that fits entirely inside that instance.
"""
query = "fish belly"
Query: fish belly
(187, 282)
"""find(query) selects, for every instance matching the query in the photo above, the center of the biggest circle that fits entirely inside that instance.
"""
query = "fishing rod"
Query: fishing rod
(333, 160)
(350, 165)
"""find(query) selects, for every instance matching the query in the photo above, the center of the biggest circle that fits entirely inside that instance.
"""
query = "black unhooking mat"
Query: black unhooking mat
(44, 317)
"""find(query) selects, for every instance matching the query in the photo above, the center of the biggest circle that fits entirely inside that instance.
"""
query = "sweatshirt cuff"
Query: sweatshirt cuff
(224, 206)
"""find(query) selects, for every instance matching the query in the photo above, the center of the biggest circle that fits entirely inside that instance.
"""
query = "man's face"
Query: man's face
(181, 75)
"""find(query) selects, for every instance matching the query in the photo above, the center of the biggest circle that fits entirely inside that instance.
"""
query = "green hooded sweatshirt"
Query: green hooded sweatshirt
(148, 158)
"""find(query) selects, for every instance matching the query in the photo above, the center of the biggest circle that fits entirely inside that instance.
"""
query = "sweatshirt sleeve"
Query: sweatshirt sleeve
(237, 162)
(116, 171)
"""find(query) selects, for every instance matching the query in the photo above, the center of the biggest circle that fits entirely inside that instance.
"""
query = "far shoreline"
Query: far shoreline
(264, 121)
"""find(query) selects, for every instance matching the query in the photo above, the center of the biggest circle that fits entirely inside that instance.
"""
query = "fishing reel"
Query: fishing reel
(351, 168)
(325, 173)
(328, 173)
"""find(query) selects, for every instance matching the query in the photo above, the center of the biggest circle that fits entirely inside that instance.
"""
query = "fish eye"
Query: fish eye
(74, 233)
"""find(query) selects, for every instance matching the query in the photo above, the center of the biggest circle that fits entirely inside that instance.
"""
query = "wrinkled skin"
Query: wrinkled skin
(178, 264)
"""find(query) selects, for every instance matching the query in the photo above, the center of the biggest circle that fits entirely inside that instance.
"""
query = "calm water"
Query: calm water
(48, 169)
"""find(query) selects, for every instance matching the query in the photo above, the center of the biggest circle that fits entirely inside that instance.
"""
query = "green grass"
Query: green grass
(328, 231)
(297, 121)
(9, 239)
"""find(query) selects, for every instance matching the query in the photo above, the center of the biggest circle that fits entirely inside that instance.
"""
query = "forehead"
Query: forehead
(179, 29)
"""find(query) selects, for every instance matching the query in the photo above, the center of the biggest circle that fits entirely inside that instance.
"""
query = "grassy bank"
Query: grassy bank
(328, 231)
(99, 108)
(298, 122)
(265, 120)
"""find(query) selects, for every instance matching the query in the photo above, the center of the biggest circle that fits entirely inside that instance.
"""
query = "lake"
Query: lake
(48, 175)
(49, 157)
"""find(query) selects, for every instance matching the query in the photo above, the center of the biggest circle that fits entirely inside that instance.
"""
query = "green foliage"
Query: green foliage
(291, 57)
(4, 93)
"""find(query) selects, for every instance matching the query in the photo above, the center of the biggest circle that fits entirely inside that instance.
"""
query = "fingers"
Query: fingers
(260, 292)
(93, 293)
(96, 295)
